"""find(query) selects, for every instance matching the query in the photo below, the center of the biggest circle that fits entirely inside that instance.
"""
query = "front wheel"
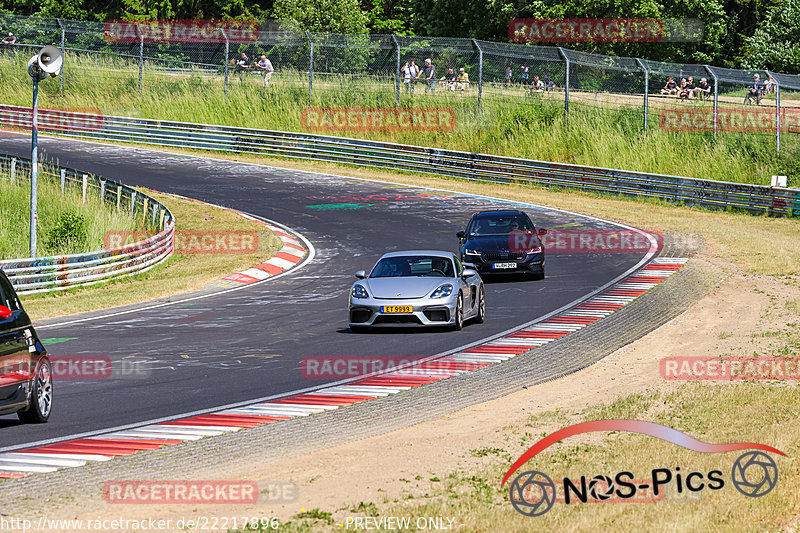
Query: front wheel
(481, 316)
(459, 318)
(41, 402)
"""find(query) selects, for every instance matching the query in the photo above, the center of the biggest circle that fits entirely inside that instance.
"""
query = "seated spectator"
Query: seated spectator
(755, 91)
(450, 79)
(548, 84)
(770, 86)
(687, 90)
(265, 65)
(463, 79)
(537, 86)
(703, 89)
(671, 87)
(9, 42)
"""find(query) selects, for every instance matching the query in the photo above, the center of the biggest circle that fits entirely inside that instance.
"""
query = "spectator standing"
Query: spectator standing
(463, 79)
(670, 87)
(243, 65)
(409, 72)
(524, 76)
(430, 75)
(449, 79)
(9, 42)
(265, 65)
(508, 76)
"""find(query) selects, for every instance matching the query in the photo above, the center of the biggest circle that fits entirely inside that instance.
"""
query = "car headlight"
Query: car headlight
(442, 291)
(359, 292)
(467, 251)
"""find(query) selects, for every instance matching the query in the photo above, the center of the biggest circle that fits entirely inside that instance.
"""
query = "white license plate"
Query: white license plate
(504, 265)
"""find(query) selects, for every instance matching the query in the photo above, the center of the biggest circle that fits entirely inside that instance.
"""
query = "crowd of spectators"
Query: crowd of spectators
(451, 81)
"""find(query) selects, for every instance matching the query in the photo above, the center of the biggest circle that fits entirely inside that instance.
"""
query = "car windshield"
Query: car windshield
(499, 225)
(413, 265)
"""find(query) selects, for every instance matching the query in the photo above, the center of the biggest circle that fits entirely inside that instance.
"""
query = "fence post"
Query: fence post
(63, 179)
(103, 191)
(13, 169)
(397, 73)
(141, 56)
(716, 97)
(646, 88)
(61, 74)
(133, 202)
(777, 111)
(227, 59)
(310, 64)
(480, 70)
(119, 196)
(84, 183)
(566, 83)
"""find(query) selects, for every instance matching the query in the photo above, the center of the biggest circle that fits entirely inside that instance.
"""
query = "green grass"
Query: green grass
(53, 206)
(608, 134)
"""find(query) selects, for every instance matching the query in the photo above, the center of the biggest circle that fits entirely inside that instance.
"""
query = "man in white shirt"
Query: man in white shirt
(409, 72)
(265, 65)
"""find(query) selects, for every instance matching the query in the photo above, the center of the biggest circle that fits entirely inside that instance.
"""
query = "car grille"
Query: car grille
(396, 319)
(502, 256)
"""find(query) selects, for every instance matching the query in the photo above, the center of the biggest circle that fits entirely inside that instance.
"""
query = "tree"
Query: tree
(335, 16)
(775, 44)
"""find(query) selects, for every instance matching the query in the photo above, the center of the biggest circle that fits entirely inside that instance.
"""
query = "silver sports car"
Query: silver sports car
(423, 288)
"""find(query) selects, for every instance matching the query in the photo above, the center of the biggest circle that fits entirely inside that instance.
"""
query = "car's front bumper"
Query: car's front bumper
(367, 312)
(531, 263)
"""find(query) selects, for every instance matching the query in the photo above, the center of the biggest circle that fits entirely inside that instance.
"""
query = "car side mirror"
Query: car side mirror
(361, 274)
(460, 234)
(468, 273)
(5, 312)
(541, 231)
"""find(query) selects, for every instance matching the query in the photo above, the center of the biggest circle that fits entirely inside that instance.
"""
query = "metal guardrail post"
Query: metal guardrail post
(310, 65)
(13, 169)
(397, 73)
(63, 179)
(646, 88)
(777, 111)
(566, 83)
(61, 74)
(227, 59)
(141, 56)
(716, 97)
(480, 70)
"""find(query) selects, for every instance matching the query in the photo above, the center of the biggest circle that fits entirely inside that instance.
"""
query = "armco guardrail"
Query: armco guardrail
(45, 274)
(756, 199)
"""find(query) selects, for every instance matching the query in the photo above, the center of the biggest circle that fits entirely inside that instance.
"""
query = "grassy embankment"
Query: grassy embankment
(607, 133)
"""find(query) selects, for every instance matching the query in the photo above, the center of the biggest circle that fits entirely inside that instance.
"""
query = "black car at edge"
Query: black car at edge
(26, 382)
(503, 242)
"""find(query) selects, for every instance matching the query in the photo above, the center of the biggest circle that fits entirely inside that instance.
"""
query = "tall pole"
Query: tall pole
(61, 76)
(310, 65)
(646, 88)
(716, 99)
(227, 59)
(777, 112)
(34, 162)
(397, 73)
(480, 70)
(141, 56)
(566, 83)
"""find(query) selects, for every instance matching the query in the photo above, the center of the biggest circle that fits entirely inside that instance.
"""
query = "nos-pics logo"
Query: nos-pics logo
(533, 493)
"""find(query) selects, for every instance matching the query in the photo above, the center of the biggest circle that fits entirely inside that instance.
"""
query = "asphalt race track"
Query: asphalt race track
(248, 343)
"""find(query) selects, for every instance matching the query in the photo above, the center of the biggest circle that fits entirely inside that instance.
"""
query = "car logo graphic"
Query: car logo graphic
(398, 294)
